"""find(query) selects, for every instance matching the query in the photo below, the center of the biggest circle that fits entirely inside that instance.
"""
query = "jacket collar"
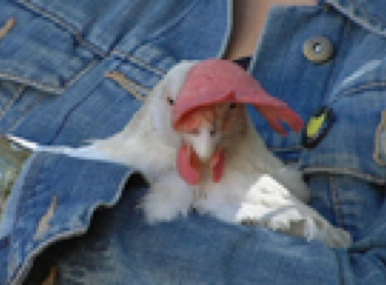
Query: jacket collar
(368, 13)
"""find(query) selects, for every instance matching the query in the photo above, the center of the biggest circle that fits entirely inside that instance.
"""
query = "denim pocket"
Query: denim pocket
(356, 142)
(37, 53)
(38, 61)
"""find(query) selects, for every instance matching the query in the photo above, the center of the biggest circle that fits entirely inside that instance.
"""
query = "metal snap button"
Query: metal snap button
(318, 49)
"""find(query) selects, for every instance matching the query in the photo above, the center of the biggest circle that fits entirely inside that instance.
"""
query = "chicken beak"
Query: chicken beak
(211, 82)
(203, 141)
(201, 147)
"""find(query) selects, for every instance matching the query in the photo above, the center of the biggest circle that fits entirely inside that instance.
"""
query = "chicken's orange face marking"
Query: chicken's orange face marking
(210, 113)
(197, 118)
(228, 121)
(223, 116)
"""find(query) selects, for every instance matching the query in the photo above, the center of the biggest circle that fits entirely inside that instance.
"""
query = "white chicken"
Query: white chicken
(194, 143)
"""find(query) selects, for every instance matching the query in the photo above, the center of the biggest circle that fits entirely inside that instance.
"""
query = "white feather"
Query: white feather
(256, 187)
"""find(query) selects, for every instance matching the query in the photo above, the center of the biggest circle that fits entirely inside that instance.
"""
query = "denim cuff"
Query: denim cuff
(54, 199)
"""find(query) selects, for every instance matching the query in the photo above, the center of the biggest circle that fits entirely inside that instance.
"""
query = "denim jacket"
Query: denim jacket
(77, 70)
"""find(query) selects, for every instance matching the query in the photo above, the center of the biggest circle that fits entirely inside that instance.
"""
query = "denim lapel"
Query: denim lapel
(368, 13)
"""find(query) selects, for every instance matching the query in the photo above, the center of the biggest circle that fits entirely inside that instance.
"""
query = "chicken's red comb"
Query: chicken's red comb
(215, 81)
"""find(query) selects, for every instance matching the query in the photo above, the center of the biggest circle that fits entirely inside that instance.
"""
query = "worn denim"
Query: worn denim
(55, 88)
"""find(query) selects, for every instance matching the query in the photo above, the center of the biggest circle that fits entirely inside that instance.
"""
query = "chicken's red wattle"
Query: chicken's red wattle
(188, 165)
(216, 81)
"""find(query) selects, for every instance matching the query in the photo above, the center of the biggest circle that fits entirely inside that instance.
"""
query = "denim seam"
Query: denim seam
(20, 273)
(27, 111)
(12, 101)
(115, 74)
(55, 90)
(26, 81)
(343, 35)
(67, 26)
(35, 171)
(126, 83)
(74, 107)
(87, 68)
(344, 171)
(25, 196)
(287, 148)
(138, 61)
(363, 87)
(175, 22)
(72, 30)
(339, 217)
(361, 18)
(81, 73)
(370, 16)
(24, 116)
(231, 254)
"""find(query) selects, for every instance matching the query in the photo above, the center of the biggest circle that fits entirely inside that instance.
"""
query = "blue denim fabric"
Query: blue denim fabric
(54, 90)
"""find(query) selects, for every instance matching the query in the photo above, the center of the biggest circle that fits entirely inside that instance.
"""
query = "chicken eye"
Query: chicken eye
(170, 101)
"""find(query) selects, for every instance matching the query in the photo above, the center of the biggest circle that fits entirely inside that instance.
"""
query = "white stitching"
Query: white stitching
(139, 62)
(360, 88)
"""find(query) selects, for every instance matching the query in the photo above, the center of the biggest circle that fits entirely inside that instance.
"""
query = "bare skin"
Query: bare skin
(249, 20)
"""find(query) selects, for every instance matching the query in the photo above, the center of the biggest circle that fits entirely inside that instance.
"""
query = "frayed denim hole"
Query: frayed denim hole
(4, 242)
(379, 154)
(8, 26)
